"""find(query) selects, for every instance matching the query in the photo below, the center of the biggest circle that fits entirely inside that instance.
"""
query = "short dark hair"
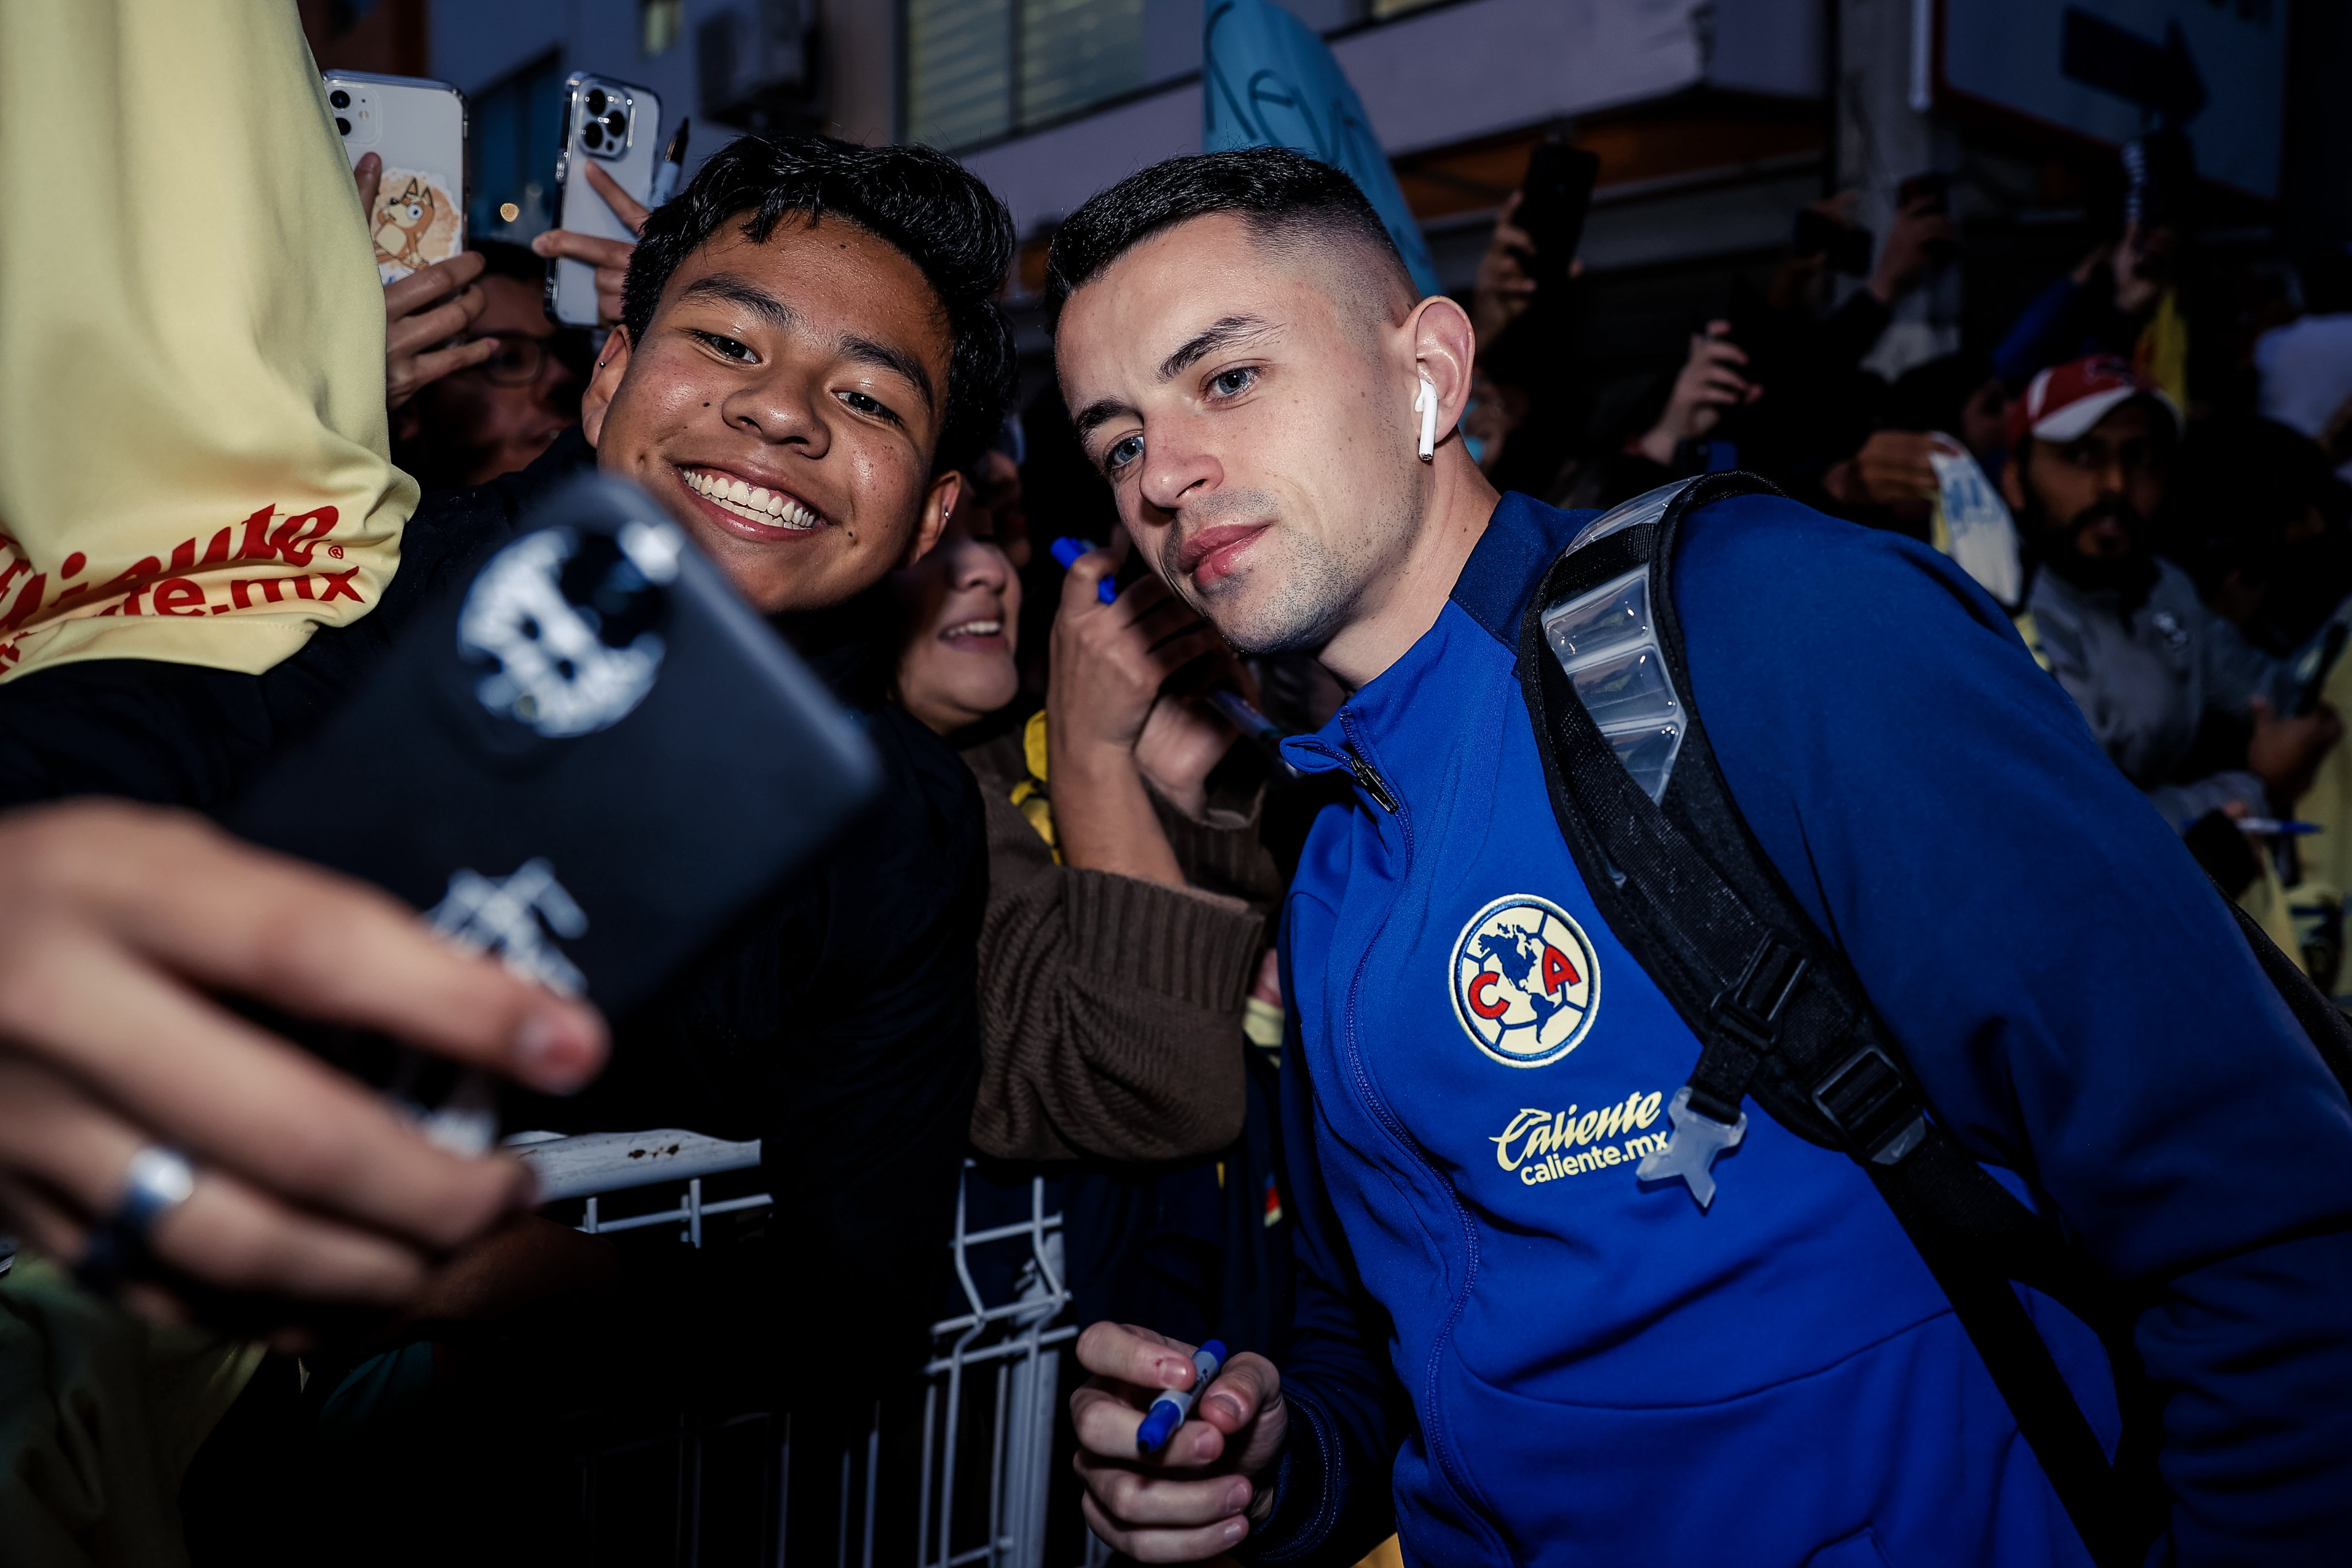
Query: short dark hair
(922, 203)
(1285, 196)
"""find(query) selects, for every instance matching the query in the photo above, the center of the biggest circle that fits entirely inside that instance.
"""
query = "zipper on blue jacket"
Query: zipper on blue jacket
(1371, 781)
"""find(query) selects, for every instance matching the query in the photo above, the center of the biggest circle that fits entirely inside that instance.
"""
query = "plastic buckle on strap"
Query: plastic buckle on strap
(1749, 1008)
(1870, 1102)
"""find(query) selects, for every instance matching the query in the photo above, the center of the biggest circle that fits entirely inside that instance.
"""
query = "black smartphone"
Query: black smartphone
(1932, 192)
(1554, 200)
(1845, 247)
(1933, 185)
(585, 759)
(2216, 844)
(2330, 650)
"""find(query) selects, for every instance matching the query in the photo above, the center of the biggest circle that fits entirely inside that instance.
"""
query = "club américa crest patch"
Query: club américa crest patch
(1525, 981)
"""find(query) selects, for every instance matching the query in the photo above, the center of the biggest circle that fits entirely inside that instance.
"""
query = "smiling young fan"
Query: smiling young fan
(809, 353)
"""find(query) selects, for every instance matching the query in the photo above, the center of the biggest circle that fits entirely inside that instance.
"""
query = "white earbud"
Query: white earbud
(1424, 403)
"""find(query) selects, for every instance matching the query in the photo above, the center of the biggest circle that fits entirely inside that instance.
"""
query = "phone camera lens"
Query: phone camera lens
(595, 101)
(340, 99)
(617, 123)
(590, 135)
(343, 126)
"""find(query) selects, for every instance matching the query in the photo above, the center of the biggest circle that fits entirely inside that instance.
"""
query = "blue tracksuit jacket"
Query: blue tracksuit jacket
(1521, 1353)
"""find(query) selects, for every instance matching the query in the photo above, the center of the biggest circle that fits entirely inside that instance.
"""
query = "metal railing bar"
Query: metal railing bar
(692, 1523)
(873, 1469)
(1018, 1227)
(996, 1456)
(998, 1314)
(1045, 1269)
(1014, 1336)
(841, 1530)
(923, 1507)
(681, 1215)
(783, 1490)
(1007, 1347)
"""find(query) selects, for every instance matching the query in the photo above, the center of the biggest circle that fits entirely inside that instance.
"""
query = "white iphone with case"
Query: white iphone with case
(418, 128)
(616, 125)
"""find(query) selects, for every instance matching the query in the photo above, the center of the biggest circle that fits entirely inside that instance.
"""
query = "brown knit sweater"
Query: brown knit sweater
(1110, 1007)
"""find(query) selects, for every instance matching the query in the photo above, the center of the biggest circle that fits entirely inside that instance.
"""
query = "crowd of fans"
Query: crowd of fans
(1099, 999)
(2169, 532)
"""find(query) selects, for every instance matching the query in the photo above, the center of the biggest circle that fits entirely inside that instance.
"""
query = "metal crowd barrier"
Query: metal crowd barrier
(989, 1396)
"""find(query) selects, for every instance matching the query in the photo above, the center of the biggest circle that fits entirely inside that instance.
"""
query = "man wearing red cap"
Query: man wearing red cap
(2151, 668)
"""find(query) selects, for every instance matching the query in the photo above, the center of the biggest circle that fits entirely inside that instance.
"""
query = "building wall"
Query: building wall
(389, 38)
(1450, 75)
(1491, 73)
(476, 43)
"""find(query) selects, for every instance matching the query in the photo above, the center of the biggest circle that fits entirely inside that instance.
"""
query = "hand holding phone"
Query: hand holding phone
(1843, 247)
(534, 764)
(603, 184)
(1920, 239)
(607, 259)
(160, 913)
(2322, 665)
(1554, 200)
(416, 128)
(426, 313)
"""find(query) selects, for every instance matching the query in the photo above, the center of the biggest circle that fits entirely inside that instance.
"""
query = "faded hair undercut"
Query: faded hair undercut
(1288, 200)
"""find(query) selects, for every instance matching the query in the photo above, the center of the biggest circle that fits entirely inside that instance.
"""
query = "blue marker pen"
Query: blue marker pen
(1168, 1411)
(2274, 827)
(1068, 551)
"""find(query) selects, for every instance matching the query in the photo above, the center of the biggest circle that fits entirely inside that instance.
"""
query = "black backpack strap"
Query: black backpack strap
(2330, 1030)
(1781, 1018)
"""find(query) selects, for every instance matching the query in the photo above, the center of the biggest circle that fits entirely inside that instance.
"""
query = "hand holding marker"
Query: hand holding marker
(1237, 710)
(672, 165)
(1067, 551)
(1169, 1410)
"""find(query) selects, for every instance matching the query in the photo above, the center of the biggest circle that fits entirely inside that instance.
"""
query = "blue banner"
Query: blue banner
(1266, 80)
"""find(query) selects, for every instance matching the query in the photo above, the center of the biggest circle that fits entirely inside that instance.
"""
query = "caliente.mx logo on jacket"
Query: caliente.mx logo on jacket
(1525, 981)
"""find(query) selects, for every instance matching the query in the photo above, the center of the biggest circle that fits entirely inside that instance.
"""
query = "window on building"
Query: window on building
(984, 68)
(660, 24)
(512, 135)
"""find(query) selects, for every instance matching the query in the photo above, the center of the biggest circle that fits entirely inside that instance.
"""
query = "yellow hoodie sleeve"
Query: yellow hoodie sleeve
(193, 455)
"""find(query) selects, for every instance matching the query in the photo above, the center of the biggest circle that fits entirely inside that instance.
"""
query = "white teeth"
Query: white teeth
(755, 502)
(975, 629)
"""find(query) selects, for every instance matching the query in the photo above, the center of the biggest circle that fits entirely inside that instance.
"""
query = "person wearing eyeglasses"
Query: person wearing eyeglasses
(495, 416)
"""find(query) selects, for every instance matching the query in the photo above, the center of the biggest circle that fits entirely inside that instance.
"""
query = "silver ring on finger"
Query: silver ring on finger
(157, 1181)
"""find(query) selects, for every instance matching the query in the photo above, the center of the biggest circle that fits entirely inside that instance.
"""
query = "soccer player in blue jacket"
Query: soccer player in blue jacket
(1509, 1348)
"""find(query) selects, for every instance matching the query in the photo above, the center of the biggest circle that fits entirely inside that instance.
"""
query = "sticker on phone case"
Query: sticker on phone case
(415, 224)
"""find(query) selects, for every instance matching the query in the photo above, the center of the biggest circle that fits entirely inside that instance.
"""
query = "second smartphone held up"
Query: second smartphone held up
(617, 125)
